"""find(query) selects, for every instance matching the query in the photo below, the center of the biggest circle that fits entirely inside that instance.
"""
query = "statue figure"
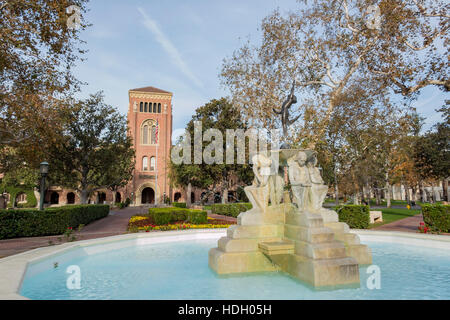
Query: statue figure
(284, 112)
(276, 188)
(318, 188)
(258, 192)
(300, 180)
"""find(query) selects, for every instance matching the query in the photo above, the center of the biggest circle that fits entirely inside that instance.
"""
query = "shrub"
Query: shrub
(52, 221)
(230, 209)
(437, 217)
(356, 216)
(163, 216)
(179, 204)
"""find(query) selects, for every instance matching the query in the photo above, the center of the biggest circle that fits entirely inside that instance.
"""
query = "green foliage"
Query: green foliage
(15, 191)
(97, 152)
(432, 150)
(163, 216)
(230, 209)
(221, 115)
(52, 221)
(20, 180)
(437, 217)
(356, 216)
(179, 204)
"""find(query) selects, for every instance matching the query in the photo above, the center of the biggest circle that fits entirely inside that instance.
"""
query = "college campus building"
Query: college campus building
(150, 118)
(150, 121)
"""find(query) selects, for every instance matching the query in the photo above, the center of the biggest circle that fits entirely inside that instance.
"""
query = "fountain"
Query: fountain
(298, 237)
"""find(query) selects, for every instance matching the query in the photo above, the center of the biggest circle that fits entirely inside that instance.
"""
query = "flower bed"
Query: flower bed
(147, 223)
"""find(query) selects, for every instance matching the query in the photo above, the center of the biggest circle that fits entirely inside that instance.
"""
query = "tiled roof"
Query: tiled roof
(151, 90)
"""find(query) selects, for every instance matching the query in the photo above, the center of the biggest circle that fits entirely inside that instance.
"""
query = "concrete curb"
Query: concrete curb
(13, 268)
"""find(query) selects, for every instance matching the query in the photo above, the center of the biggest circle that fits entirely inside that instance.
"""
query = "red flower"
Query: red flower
(422, 223)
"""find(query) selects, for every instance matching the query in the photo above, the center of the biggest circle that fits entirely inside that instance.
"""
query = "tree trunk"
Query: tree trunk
(336, 188)
(422, 192)
(408, 198)
(445, 187)
(355, 198)
(388, 191)
(225, 195)
(188, 195)
(378, 196)
(433, 196)
(413, 195)
(84, 196)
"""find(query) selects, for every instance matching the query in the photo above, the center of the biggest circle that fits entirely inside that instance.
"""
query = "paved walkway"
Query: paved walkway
(115, 224)
(409, 224)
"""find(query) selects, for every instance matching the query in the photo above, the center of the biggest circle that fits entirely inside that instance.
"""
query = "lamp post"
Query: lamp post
(43, 169)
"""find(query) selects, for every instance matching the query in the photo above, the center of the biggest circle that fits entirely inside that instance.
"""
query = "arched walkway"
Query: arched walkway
(54, 198)
(101, 197)
(177, 197)
(118, 197)
(148, 196)
(71, 198)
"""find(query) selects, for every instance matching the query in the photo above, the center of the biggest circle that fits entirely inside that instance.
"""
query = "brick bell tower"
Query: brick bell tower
(150, 122)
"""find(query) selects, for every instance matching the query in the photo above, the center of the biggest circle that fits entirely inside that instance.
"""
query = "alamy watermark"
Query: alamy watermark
(73, 281)
(374, 20)
(374, 280)
(234, 151)
(74, 20)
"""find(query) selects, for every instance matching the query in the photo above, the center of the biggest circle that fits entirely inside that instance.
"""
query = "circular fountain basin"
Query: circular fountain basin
(174, 265)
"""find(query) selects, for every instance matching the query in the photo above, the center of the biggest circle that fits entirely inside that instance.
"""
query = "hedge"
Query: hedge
(230, 209)
(356, 216)
(163, 216)
(179, 204)
(51, 221)
(437, 217)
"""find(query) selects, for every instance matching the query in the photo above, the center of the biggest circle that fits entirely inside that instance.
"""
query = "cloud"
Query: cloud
(168, 46)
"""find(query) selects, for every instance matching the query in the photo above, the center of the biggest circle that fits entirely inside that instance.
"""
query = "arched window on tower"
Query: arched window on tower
(145, 134)
(145, 164)
(145, 107)
(154, 108)
(150, 107)
(152, 164)
(141, 108)
(149, 132)
(159, 107)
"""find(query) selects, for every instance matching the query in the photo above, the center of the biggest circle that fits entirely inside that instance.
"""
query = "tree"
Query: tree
(221, 115)
(97, 152)
(37, 53)
(328, 46)
(432, 151)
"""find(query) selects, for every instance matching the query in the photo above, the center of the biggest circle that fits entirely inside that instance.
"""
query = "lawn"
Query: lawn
(391, 215)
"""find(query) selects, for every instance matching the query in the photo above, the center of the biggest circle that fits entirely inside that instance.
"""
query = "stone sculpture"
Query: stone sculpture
(300, 238)
(318, 188)
(258, 192)
(300, 180)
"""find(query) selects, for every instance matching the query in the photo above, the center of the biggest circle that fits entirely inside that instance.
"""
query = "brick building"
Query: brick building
(150, 125)
(150, 121)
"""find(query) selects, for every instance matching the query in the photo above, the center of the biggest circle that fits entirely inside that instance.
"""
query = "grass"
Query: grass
(391, 215)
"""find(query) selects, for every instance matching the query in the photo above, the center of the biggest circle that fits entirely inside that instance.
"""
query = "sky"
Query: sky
(179, 46)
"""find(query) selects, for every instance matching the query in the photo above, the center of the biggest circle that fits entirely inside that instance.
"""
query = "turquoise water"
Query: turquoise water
(180, 271)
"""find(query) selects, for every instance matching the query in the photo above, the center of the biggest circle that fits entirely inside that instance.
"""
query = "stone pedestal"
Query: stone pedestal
(298, 243)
